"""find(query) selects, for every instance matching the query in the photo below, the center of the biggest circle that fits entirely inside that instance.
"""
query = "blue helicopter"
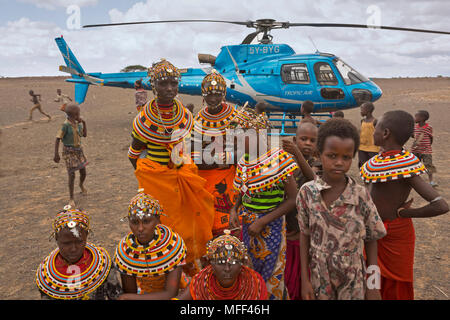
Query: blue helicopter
(262, 72)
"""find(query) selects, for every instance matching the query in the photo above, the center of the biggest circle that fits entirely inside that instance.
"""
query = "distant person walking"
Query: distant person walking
(63, 98)
(36, 98)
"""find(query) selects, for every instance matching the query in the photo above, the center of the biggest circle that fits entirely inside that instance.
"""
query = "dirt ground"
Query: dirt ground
(33, 188)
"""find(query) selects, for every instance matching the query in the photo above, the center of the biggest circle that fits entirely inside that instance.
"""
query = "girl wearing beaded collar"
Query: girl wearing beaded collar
(76, 269)
(150, 257)
(227, 277)
(161, 129)
(267, 191)
(210, 127)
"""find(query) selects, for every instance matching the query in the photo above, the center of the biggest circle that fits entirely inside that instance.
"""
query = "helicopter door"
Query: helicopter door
(329, 87)
(296, 85)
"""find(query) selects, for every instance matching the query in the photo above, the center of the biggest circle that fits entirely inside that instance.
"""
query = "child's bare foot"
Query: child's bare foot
(72, 204)
(83, 189)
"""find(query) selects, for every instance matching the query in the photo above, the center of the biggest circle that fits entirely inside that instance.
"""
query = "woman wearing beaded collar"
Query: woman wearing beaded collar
(267, 192)
(161, 129)
(151, 256)
(226, 277)
(76, 269)
(212, 151)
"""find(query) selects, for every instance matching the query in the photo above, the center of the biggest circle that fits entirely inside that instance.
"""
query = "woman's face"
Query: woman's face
(143, 229)
(226, 273)
(166, 90)
(213, 99)
(71, 243)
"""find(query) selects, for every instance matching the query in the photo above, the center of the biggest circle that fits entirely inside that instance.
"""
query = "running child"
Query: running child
(423, 135)
(392, 174)
(64, 98)
(73, 128)
(367, 149)
(36, 99)
(337, 221)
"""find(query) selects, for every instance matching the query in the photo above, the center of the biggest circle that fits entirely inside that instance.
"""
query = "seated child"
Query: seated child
(337, 220)
(392, 174)
(151, 256)
(267, 192)
(226, 277)
(76, 270)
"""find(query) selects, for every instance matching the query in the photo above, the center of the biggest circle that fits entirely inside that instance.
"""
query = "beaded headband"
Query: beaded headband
(247, 118)
(234, 249)
(143, 205)
(70, 218)
(163, 70)
(214, 83)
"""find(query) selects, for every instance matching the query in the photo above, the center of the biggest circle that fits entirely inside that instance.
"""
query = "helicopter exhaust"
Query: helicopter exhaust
(207, 58)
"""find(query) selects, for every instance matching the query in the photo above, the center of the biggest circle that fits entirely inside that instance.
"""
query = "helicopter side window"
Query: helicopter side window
(324, 74)
(295, 73)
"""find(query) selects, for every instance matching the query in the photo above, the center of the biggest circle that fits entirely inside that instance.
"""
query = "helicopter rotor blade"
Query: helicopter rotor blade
(249, 24)
(364, 26)
(249, 38)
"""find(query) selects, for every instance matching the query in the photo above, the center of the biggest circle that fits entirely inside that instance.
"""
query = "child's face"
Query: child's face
(143, 229)
(364, 111)
(306, 139)
(74, 113)
(58, 91)
(71, 243)
(418, 117)
(213, 99)
(378, 134)
(337, 156)
(166, 90)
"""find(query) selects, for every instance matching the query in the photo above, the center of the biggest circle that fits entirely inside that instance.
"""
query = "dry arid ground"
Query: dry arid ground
(33, 188)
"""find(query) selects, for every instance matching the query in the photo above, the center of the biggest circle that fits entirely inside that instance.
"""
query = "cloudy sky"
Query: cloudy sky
(28, 29)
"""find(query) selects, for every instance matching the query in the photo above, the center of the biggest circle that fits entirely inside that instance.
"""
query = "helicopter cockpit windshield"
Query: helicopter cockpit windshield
(350, 75)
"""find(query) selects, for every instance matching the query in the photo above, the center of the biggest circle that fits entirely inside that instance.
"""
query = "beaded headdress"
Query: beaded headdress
(214, 83)
(226, 248)
(163, 70)
(143, 205)
(247, 118)
(70, 218)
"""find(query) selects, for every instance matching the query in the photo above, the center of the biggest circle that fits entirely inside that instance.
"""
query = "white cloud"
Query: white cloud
(27, 47)
(53, 4)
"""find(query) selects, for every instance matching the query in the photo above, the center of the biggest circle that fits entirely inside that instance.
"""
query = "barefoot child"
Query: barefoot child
(367, 149)
(76, 270)
(64, 98)
(423, 135)
(337, 221)
(36, 98)
(150, 257)
(267, 193)
(70, 134)
(392, 175)
(302, 149)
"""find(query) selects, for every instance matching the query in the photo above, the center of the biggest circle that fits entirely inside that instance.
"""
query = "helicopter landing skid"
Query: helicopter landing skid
(288, 122)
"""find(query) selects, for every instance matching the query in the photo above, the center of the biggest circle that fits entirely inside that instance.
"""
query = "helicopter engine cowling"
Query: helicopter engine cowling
(207, 58)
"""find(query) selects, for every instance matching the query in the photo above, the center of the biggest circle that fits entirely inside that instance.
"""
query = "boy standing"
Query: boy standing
(306, 109)
(36, 98)
(423, 135)
(367, 149)
(392, 174)
(70, 133)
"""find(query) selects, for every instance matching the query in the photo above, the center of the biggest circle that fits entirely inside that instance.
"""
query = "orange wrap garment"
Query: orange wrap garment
(185, 201)
(219, 182)
(396, 260)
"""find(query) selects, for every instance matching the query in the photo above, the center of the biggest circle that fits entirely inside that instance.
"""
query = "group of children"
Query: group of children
(307, 229)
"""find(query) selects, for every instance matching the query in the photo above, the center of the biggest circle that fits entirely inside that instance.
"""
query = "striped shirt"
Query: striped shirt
(158, 153)
(265, 200)
(423, 136)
